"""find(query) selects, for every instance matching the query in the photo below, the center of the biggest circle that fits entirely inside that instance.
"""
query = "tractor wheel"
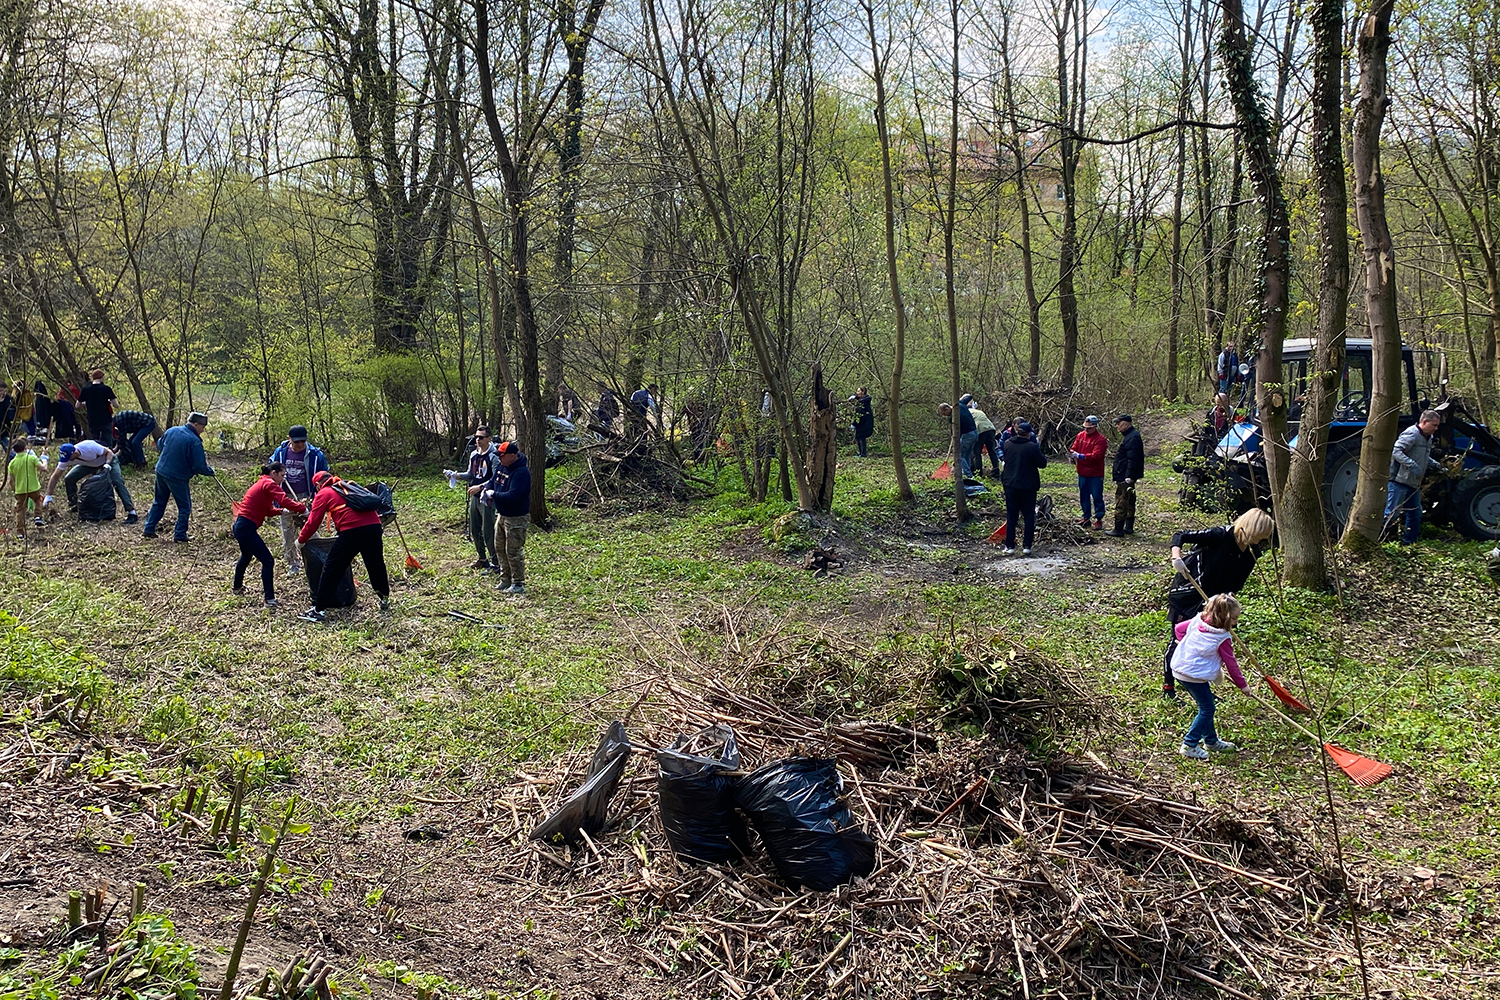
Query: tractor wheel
(1340, 475)
(1475, 503)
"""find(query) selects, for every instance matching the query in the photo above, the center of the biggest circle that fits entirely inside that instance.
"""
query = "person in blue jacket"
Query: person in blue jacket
(181, 459)
(303, 461)
(510, 492)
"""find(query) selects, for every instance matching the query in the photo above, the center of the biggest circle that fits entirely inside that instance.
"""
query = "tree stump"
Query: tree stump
(822, 445)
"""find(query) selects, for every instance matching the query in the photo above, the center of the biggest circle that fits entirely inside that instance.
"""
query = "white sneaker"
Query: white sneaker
(1007, 551)
(1025, 552)
(1221, 746)
(1196, 753)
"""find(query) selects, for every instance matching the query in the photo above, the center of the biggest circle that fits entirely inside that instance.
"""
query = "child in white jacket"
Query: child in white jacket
(1204, 651)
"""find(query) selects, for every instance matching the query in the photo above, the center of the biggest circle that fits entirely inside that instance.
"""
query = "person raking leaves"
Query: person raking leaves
(360, 533)
(264, 498)
(1203, 653)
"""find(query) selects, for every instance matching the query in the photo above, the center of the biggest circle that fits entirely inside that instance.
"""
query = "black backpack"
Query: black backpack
(376, 498)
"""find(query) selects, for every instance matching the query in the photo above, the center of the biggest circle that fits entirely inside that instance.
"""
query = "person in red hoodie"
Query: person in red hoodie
(360, 534)
(1088, 454)
(264, 498)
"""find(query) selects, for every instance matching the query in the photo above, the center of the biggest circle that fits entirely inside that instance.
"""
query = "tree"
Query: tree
(1367, 516)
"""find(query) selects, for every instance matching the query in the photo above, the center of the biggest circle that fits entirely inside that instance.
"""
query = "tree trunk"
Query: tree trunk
(1366, 519)
(1300, 518)
(822, 443)
(1070, 79)
(1276, 236)
(898, 300)
(950, 219)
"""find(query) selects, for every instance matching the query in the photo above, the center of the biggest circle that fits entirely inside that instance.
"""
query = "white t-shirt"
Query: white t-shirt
(90, 453)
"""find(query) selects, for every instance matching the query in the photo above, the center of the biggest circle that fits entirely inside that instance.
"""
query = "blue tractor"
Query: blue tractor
(1227, 471)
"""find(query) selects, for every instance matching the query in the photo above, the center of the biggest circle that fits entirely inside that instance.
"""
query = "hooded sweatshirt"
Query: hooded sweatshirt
(511, 491)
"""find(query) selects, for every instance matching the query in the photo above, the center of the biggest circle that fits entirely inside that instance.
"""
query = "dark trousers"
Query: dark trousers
(252, 547)
(1022, 504)
(863, 445)
(367, 542)
(135, 454)
(986, 446)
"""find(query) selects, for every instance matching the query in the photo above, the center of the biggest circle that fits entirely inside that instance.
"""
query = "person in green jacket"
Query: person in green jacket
(26, 480)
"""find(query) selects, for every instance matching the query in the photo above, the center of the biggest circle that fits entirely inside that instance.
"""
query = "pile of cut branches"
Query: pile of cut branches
(996, 868)
(626, 468)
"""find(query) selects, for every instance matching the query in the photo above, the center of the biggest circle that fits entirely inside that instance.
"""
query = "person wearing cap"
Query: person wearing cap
(1129, 467)
(98, 401)
(360, 534)
(302, 461)
(484, 465)
(88, 458)
(130, 430)
(1021, 480)
(67, 454)
(1087, 454)
(511, 494)
(182, 457)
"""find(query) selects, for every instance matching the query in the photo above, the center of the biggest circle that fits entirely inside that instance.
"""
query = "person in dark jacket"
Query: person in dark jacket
(511, 494)
(181, 459)
(64, 416)
(360, 534)
(42, 416)
(131, 428)
(1129, 467)
(864, 420)
(484, 465)
(98, 401)
(1021, 479)
(1222, 562)
(607, 409)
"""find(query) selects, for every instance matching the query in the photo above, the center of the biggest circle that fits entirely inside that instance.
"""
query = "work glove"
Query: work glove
(1181, 566)
(1130, 482)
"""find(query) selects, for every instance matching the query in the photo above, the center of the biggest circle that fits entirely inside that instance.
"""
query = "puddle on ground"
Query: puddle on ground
(1019, 565)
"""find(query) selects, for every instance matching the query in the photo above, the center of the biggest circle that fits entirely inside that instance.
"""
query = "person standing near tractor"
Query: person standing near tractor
(98, 400)
(1228, 367)
(1411, 460)
(1222, 562)
(511, 495)
(301, 461)
(1087, 454)
(864, 420)
(1129, 467)
(360, 534)
(181, 459)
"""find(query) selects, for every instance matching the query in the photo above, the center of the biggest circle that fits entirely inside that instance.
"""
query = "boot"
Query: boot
(1130, 526)
(1119, 531)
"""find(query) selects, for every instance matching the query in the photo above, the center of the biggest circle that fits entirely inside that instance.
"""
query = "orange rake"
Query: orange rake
(1282, 694)
(943, 471)
(411, 561)
(1361, 770)
(998, 535)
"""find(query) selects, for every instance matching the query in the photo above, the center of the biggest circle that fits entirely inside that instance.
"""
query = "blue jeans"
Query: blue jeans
(966, 451)
(1202, 729)
(177, 490)
(1091, 491)
(135, 454)
(1405, 501)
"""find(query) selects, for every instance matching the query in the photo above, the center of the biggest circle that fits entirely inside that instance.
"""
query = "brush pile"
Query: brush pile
(627, 467)
(997, 869)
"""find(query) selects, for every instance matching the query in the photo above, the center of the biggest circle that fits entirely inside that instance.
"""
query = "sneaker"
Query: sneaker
(1084, 523)
(1221, 746)
(504, 586)
(148, 534)
(1099, 525)
(1195, 753)
(37, 521)
(517, 588)
(1025, 552)
(131, 517)
(272, 602)
(1007, 551)
(238, 591)
(313, 615)
(480, 564)
(385, 605)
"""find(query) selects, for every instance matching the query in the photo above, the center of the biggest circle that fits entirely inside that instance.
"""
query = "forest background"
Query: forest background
(394, 221)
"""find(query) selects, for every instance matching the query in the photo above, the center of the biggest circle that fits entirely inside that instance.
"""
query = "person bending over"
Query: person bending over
(264, 498)
(360, 534)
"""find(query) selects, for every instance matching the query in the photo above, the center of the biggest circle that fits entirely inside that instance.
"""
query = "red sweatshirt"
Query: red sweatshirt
(264, 498)
(1092, 448)
(330, 502)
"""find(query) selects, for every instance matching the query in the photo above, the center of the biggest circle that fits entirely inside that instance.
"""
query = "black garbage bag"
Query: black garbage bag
(314, 555)
(797, 808)
(96, 497)
(387, 497)
(588, 808)
(696, 797)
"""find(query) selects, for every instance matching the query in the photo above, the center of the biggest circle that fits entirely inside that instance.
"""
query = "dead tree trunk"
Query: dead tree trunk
(1362, 533)
(822, 444)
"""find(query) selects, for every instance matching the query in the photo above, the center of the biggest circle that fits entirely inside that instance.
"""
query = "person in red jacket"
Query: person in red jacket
(264, 498)
(360, 534)
(1088, 454)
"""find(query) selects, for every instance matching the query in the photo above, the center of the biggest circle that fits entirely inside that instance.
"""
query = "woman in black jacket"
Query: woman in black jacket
(1021, 480)
(864, 420)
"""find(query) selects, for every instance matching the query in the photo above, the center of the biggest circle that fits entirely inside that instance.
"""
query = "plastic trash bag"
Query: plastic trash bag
(96, 497)
(812, 837)
(696, 797)
(314, 555)
(588, 808)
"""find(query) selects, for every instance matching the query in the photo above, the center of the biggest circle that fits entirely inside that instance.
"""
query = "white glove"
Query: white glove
(47, 500)
(1130, 482)
(1181, 566)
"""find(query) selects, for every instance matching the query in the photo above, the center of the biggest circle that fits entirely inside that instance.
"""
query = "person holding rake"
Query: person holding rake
(1204, 653)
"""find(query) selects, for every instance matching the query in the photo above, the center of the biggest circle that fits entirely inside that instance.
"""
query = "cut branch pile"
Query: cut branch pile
(996, 869)
(630, 467)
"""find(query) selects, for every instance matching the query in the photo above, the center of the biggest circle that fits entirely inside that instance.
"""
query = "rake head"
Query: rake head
(1286, 697)
(998, 535)
(411, 562)
(1361, 770)
(943, 471)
